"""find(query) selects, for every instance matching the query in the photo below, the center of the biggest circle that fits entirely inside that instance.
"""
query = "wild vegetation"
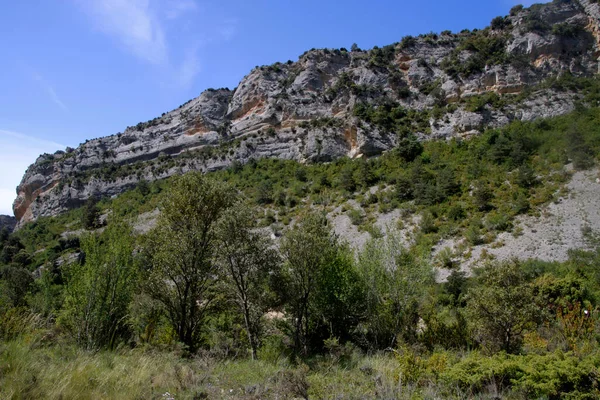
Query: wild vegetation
(206, 304)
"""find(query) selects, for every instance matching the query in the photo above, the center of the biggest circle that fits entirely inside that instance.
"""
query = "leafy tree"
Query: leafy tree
(578, 150)
(502, 307)
(4, 234)
(396, 283)
(307, 248)
(143, 187)
(404, 188)
(409, 147)
(363, 175)
(248, 261)
(346, 178)
(91, 214)
(99, 290)
(10, 248)
(455, 286)
(447, 183)
(264, 192)
(181, 251)
(525, 176)
(15, 283)
(339, 297)
(482, 196)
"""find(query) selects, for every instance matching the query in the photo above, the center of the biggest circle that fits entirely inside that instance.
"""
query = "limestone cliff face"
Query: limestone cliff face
(303, 110)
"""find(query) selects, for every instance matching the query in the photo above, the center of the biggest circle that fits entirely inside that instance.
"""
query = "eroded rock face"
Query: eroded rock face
(304, 110)
(7, 222)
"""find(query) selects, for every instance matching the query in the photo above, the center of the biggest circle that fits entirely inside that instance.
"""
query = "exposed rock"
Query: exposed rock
(8, 222)
(304, 110)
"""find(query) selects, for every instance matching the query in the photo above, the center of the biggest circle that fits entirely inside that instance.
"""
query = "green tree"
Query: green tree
(339, 297)
(502, 306)
(409, 147)
(306, 248)
(90, 218)
(396, 283)
(15, 284)
(580, 153)
(181, 253)
(98, 291)
(248, 260)
(11, 247)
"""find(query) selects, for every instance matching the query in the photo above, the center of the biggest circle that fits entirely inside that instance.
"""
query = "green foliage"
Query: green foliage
(311, 252)
(516, 10)
(91, 214)
(485, 47)
(502, 307)
(578, 150)
(567, 30)
(98, 292)
(553, 375)
(396, 283)
(500, 23)
(250, 264)
(206, 246)
(15, 284)
(181, 252)
(393, 117)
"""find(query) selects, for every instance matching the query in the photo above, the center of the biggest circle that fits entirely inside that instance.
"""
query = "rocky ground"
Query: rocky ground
(571, 222)
(8, 222)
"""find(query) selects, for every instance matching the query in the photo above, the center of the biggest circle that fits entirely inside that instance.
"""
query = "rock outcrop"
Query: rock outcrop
(450, 85)
(7, 222)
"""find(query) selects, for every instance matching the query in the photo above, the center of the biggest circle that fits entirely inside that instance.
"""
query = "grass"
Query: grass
(31, 370)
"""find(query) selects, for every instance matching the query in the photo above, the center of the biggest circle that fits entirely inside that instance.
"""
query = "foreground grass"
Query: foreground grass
(29, 370)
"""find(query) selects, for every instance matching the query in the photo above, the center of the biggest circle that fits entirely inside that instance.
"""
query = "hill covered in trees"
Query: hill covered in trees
(235, 282)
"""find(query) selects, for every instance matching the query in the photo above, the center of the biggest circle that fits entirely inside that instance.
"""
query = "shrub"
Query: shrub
(99, 291)
(502, 307)
(516, 10)
(356, 216)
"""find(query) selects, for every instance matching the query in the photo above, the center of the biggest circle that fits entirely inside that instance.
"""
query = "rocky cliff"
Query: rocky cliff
(336, 103)
(7, 222)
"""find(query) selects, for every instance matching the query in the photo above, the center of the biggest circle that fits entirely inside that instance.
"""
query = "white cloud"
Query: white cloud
(133, 23)
(50, 91)
(17, 152)
(190, 67)
(144, 28)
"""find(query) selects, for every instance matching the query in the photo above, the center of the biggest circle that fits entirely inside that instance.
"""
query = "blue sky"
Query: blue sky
(73, 70)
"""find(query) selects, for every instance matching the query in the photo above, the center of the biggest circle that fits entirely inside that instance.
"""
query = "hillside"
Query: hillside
(419, 221)
(334, 103)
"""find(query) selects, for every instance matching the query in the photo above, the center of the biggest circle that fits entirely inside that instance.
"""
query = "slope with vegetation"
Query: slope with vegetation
(234, 284)
(206, 304)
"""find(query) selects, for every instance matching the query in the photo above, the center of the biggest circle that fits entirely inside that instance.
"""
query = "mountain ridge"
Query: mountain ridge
(329, 104)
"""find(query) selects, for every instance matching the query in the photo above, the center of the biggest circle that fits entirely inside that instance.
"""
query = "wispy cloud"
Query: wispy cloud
(49, 90)
(17, 152)
(144, 27)
(189, 68)
(133, 23)
(32, 140)
(177, 8)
